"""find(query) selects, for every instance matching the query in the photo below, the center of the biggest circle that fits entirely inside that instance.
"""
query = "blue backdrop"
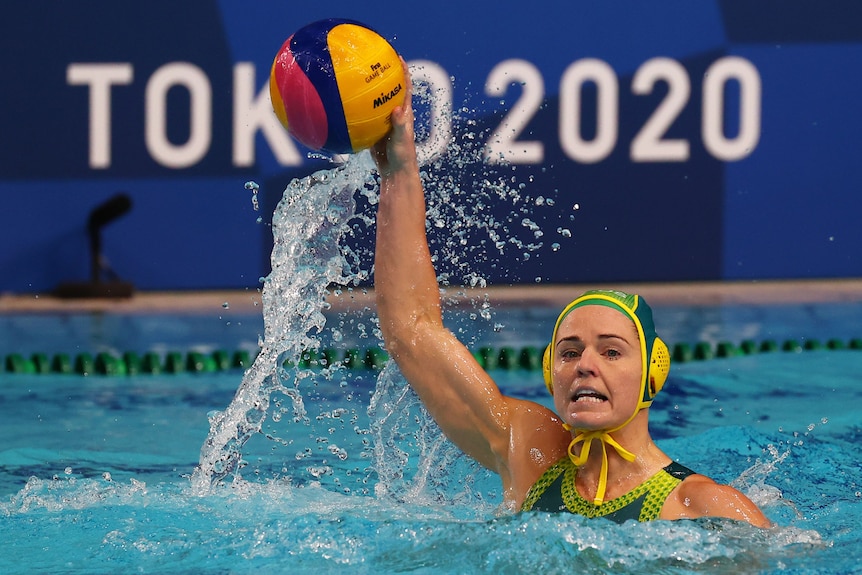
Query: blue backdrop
(700, 140)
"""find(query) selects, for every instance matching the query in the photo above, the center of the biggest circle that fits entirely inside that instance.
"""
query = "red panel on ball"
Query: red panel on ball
(306, 117)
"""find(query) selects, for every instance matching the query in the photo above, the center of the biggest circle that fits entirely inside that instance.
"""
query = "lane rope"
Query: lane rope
(527, 358)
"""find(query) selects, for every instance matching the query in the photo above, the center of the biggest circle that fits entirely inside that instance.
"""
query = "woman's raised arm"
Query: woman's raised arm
(457, 392)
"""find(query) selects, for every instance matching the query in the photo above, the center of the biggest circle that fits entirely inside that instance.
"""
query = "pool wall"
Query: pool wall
(751, 176)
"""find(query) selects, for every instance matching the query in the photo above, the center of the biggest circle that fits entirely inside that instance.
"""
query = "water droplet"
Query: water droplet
(254, 188)
(531, 225)
(226, 305)
(338, 452)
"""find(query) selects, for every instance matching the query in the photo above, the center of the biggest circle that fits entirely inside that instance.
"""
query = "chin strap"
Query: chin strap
(587, 437)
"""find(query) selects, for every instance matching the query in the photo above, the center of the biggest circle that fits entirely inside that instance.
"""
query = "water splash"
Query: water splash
(441, 475)
(308, 224)
(95, 525)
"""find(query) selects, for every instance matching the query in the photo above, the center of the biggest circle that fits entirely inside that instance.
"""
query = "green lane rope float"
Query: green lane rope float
(703, 351)
(527, 358)
(174, 362)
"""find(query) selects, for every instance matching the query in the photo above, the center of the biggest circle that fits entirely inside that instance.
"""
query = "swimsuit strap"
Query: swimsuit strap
(543, 483)
(660, 486)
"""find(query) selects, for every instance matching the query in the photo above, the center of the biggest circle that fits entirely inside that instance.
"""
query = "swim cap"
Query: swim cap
(655, 365)
(655, 358)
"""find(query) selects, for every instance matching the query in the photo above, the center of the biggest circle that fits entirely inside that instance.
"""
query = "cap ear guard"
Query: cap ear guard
(546, 369)
(659, 367)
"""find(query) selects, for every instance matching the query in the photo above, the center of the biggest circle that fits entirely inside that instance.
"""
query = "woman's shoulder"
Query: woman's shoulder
(700, 496)
(534, 425)
(537, 441)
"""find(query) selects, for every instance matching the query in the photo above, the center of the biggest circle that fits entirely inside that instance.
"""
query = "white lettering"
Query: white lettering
(100, 78)
(607, 102)
(722, 71)
(431, 77)
(160, 147)
(503, 145)
(650, 143)
(252, 112)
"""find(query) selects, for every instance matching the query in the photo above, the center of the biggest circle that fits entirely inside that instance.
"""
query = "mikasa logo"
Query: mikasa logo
(386, 97)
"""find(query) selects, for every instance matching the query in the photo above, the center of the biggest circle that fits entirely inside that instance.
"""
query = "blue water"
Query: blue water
(96, 474)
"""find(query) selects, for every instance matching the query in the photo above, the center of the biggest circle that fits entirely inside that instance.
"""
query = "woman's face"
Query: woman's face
(597, 368)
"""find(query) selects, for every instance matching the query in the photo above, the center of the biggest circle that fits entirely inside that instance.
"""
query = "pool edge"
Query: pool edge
(245, 301)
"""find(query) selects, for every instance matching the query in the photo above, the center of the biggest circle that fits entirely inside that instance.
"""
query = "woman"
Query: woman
(604, 363)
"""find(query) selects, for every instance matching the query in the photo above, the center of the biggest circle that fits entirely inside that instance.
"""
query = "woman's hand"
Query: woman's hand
(396, 151)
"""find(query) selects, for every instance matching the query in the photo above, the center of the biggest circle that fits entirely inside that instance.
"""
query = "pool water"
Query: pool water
(96, 479)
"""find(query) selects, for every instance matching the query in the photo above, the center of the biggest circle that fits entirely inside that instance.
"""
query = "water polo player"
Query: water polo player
(604, 365)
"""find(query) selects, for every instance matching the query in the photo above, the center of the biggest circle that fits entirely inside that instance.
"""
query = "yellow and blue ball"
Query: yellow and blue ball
(334, 84)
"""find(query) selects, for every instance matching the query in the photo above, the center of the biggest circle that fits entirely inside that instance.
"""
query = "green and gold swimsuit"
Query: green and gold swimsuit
(555, 491)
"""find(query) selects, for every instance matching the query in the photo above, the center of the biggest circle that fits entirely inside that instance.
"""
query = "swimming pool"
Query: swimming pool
(283, 467)
(96, 470)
